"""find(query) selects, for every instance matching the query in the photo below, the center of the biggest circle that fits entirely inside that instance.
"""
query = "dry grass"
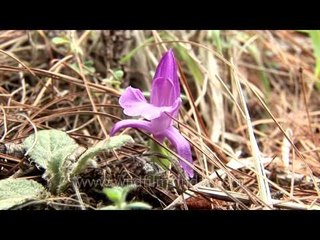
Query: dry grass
(250, 110)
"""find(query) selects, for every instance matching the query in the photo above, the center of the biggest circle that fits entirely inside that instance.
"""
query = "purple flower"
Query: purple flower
(165, 99)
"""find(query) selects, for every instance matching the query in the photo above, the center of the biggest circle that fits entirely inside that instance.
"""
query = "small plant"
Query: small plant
(14, 192)
(62, 158)
(115, 79)
(164, 105)
(118, 196)
(66, 41)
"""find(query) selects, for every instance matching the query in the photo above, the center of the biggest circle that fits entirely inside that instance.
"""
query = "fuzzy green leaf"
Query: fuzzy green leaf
(118, 74)
(104, 145)
(51, 151)
(51, 146)
(118, 194)
(138, 206)
(114, 194)
(14, 192)
(315, 37)
(111, 207)
(60, 40)
(128, 56)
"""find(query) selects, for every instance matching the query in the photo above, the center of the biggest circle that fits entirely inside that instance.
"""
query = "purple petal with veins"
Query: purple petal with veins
(181, 146)
(163, 92)
(167, 68)
(134, 104)
(164, 121)
(139, 124)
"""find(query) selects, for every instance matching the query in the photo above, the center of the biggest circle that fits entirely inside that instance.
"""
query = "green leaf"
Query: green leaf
(51, 151)
(111, 207)
(163, 162)
(118, 194)
(127, 57)
(118, 74)
(256, 54)
(104, 145)
(191, 64)
(86, 70)
(138, 205)
(51, 146)
(114, 194)
(60, 40)
(14, 192)
(215, 34)
(89, 67)
(315, 38)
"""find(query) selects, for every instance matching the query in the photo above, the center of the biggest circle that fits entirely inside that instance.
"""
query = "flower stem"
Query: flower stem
(163, 162)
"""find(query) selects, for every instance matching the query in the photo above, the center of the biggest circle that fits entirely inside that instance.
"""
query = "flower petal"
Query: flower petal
(163, 92)
(139, 124)
(134, 104)
(167, 69)
(182, 147)
(164, 121)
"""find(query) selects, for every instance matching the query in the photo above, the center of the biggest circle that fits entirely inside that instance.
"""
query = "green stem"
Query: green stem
(162, 162)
